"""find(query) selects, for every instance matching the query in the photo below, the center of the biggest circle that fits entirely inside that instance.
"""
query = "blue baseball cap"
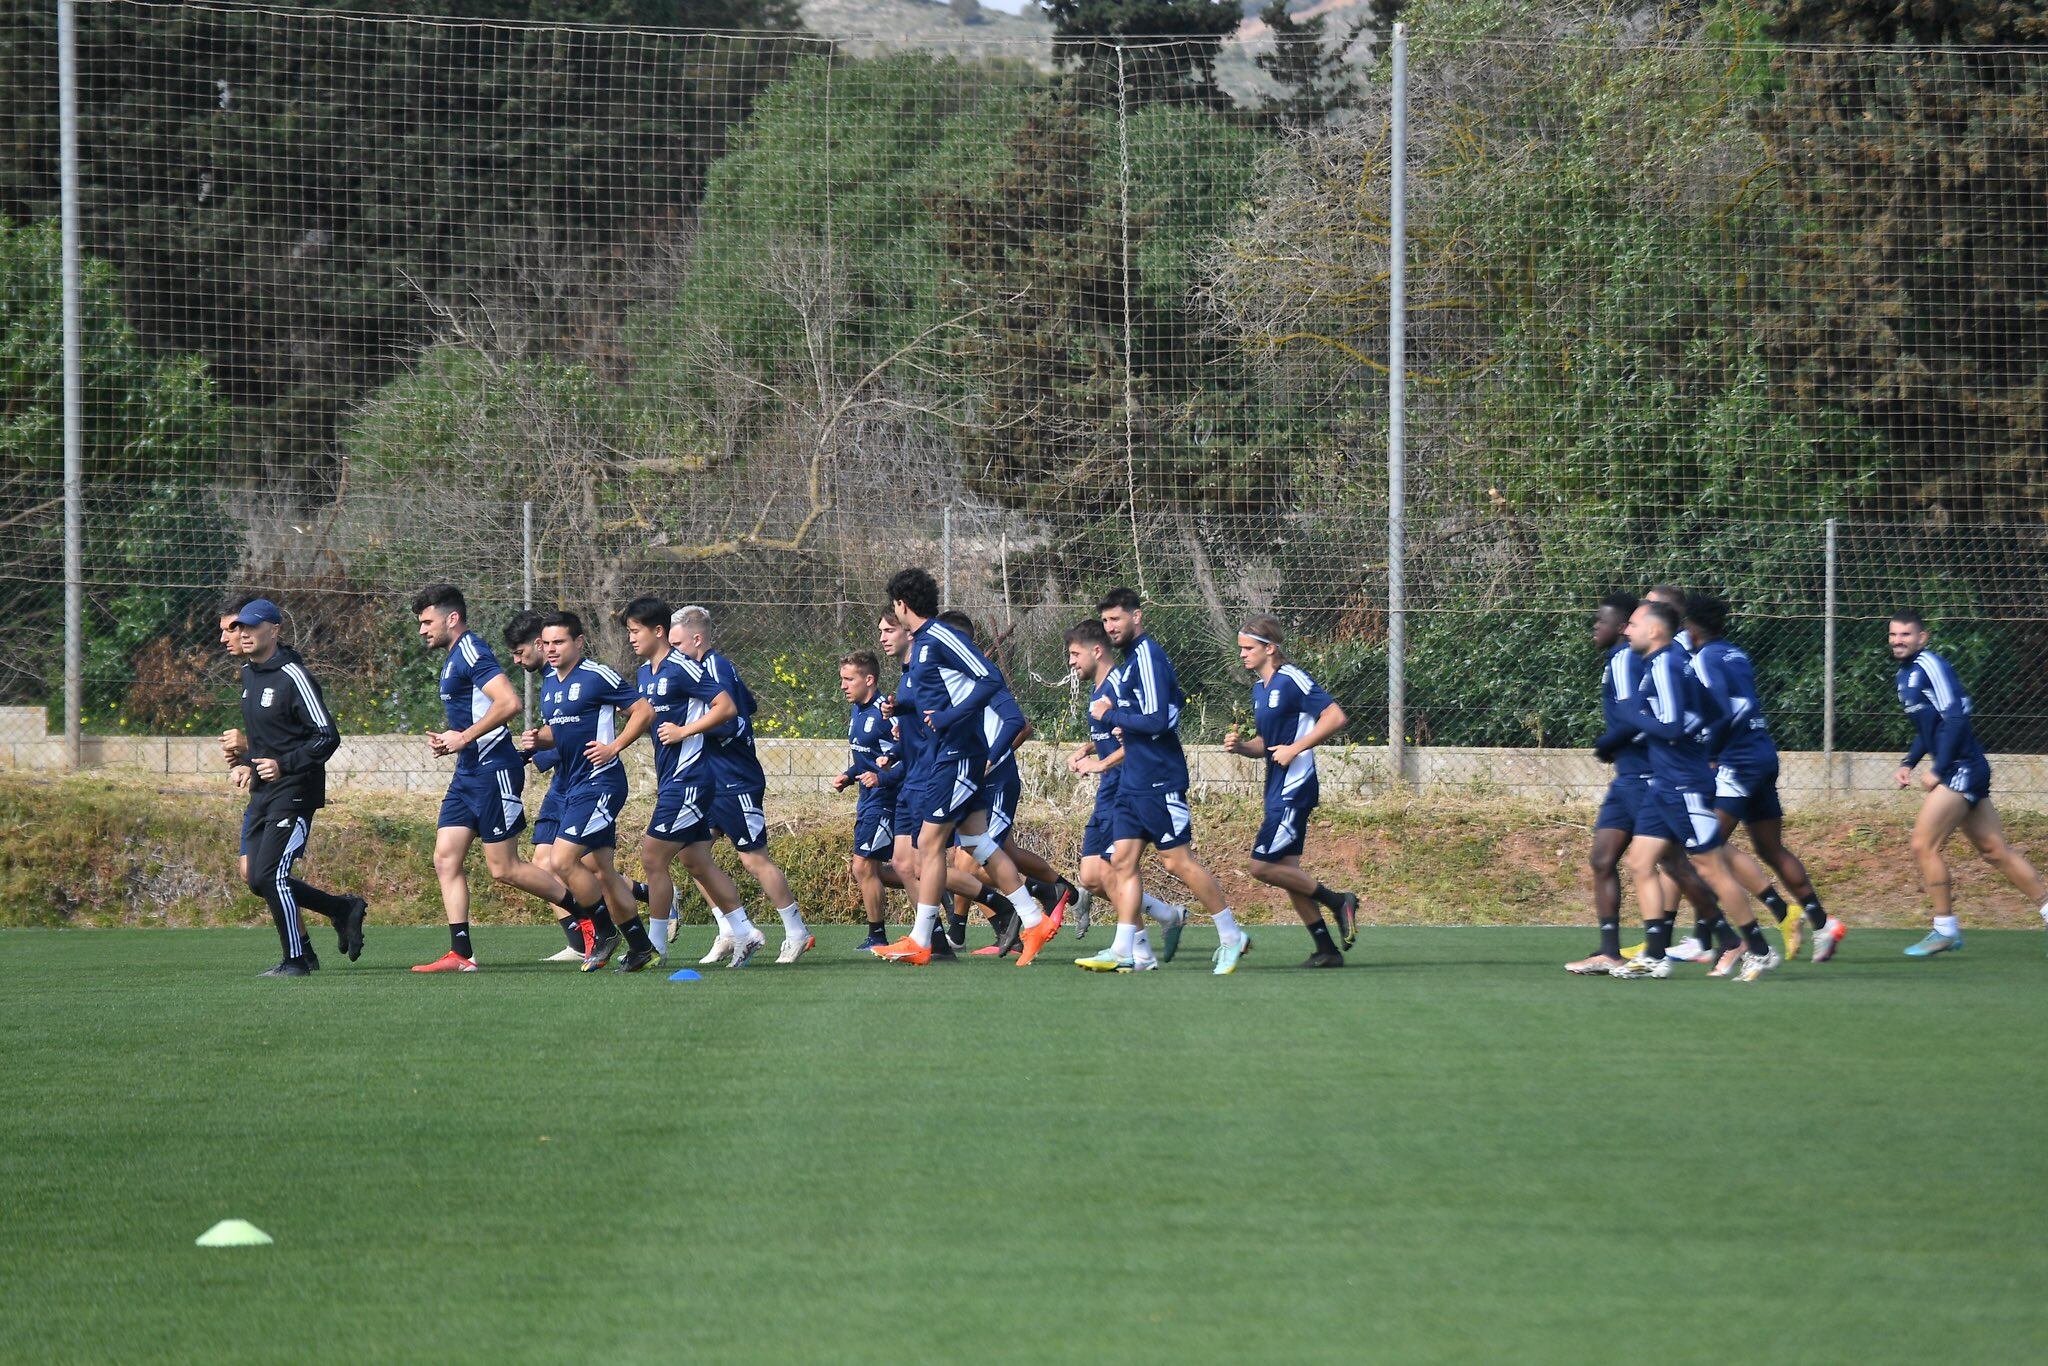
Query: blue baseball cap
(262, 609)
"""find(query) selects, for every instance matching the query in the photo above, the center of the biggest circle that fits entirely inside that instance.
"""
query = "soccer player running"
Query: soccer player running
(1616, 823)
(290, 736)
(738, 787)
(1102, 755)
(687, 707)
(1292, 715)
(950, 683)
(582, 926)
(1614, 828)
(1957, 783)
(1143, 708)
(580, 702)
(484, 799)
(1675, 814)
(1005, 727)
(1745, 762)
(913, 742)
(874, 768)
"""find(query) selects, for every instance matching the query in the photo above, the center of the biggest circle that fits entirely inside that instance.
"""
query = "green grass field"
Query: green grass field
(1451, 1151)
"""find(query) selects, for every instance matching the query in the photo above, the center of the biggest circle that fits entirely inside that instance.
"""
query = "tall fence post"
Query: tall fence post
(946, 556)
(1827, 667)
(74, 386)
(526, 584)
(1397, 397)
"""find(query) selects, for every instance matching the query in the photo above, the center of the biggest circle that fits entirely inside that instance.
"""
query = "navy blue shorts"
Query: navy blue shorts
(1002, 793)
(1161, 819)
(549, 821)
(590, 810)
(1618, 807)
(1684, 817)
(738, 817)
(874, 829)
(1970, 777)
(1284, 831)
(1748, 794)
(249, 824)
(905, 818)
(1098, 836)
(488, 803)
(682, 813)
(945, 791)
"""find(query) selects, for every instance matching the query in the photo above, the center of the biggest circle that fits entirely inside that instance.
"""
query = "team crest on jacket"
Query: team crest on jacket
(268, 695)
(575, 690)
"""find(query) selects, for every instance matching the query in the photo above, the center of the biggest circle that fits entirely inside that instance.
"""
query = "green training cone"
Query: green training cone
(234, 1233)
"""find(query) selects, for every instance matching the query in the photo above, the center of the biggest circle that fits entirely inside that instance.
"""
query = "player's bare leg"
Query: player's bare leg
(1604, 860)
(1644, 856)
(1983, 829)
(1002, 871)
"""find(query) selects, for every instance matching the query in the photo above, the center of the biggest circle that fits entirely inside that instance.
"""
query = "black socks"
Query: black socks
(572, 930)
(1775, 902)
(458, 939)
(1656, 938)
(1815, 916)
(640, 892)
(1753, 939)
(1326, 898)
(1610, 938)
(635, 931)
(1320, 932)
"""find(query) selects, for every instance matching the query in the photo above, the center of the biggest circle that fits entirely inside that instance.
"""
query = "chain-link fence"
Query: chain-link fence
(753, 320)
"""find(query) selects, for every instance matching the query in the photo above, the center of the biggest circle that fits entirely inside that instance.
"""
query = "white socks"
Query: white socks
(659, 929)
(927, 920)
(1946, 924)
(735, 923)
(1125, 945)
(1226, 927)
(2044, 913)
(724, 921)
(792, 921)
(1165, 912)
(1142, 953)
(1025, 905)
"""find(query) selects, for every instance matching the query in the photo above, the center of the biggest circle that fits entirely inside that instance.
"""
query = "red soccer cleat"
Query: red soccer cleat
(450, 961)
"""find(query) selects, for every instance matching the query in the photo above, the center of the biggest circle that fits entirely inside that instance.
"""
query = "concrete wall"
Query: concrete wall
(397, 763)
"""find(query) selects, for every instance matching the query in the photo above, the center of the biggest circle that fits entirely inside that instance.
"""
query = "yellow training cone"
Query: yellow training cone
(234, 1233)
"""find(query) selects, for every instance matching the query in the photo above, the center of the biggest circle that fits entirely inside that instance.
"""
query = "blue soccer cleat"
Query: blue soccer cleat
(1935, 942)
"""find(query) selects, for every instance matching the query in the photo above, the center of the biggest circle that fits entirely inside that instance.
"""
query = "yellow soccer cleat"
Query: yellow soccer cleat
(1104, 962)
(1633, 951)
(1793, 927)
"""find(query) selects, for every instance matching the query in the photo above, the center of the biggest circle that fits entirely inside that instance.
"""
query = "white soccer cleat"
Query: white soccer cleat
(1730, 963)
(1640, 967)
(565, 954)
(721, 949)
(1755, 965)
(743, 950)
(1689, 951)
(793, 948)
(1827, 939)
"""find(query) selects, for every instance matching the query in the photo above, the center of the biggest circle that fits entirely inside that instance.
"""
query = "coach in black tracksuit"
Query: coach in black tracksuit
(289, 736)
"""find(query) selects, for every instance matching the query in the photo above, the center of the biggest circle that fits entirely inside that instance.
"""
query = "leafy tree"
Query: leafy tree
(293, 197)
(1315, 79)
(1144, 51)
(156, 536)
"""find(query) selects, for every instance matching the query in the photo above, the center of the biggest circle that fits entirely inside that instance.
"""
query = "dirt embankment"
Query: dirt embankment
(105, 850)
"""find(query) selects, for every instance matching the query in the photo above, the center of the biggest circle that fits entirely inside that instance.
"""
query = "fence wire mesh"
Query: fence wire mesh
(752, 320)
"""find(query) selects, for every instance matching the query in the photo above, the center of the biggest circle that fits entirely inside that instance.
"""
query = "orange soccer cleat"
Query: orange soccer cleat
(1035, 939)
(905, 950)
(450, 961)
